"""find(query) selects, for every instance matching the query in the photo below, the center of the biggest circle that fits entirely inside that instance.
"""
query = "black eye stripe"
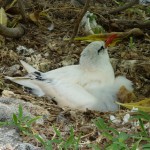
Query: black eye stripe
(101, 48)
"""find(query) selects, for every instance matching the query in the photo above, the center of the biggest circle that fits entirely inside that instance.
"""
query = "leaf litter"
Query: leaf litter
(51, 51)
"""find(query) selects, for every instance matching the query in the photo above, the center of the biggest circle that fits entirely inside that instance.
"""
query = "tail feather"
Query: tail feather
(28, 67)
(123, 81)
(27, 82)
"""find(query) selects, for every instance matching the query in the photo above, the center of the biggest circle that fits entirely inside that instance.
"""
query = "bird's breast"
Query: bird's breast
(92, 85)
(96, 78)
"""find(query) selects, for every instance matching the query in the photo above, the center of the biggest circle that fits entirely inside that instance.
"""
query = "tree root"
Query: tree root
(16, 32)
(122, 8)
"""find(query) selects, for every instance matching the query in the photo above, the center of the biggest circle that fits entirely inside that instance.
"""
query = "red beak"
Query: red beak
(110, 39)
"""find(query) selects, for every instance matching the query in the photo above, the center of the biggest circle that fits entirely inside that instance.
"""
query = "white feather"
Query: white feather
(27, 82)
(27, 67)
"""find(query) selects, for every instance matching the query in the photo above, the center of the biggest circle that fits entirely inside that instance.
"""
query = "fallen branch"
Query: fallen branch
(16, 32)
(133, 32)
(125, 24)
(79, 19)
(122, 8)
(121, 25)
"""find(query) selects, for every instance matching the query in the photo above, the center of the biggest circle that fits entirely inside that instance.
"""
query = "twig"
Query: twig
(5, 3)
(121, 8)
(12, 32)
(22, 11)
(79, 19)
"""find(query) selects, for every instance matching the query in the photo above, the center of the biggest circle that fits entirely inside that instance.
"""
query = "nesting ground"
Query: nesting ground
(51, 51)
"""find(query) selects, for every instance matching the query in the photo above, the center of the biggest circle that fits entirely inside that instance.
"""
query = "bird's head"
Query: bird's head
(94, 54)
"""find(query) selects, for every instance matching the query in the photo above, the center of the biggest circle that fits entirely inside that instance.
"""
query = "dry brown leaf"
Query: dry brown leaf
(34, 16)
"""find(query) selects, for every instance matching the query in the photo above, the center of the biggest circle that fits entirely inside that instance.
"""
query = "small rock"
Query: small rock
(8, 106)
(126, 118)
(8, 94)
(11, 140)
(12, 70)
(23, 50)
(26, 146)
(9, 136)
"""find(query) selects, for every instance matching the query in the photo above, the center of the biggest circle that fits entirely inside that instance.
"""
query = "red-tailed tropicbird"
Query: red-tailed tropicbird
(90, 84)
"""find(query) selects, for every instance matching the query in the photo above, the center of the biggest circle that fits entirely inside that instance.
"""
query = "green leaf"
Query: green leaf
(15, 119)
(146, 146)
(122, 137)
(94, 146)
(139, 136)
(121, 145)
(33, 120)
(101, 125)
(142, 127)
(40, 139)
(142, 115)
(4, 123)
(136, 145)
(57, 141)
(57, 132)
(113, 130)
(20, 110)
(48, 145)
(25, 119)
(112, 147)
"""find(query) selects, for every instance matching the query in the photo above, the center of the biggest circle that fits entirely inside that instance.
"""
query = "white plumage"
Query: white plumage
(91, 84)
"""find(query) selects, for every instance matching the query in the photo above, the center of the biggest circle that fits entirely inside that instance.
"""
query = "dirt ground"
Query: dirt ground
(47, 50)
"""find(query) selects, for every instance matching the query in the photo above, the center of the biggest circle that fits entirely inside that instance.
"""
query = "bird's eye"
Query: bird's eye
(101, 48)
